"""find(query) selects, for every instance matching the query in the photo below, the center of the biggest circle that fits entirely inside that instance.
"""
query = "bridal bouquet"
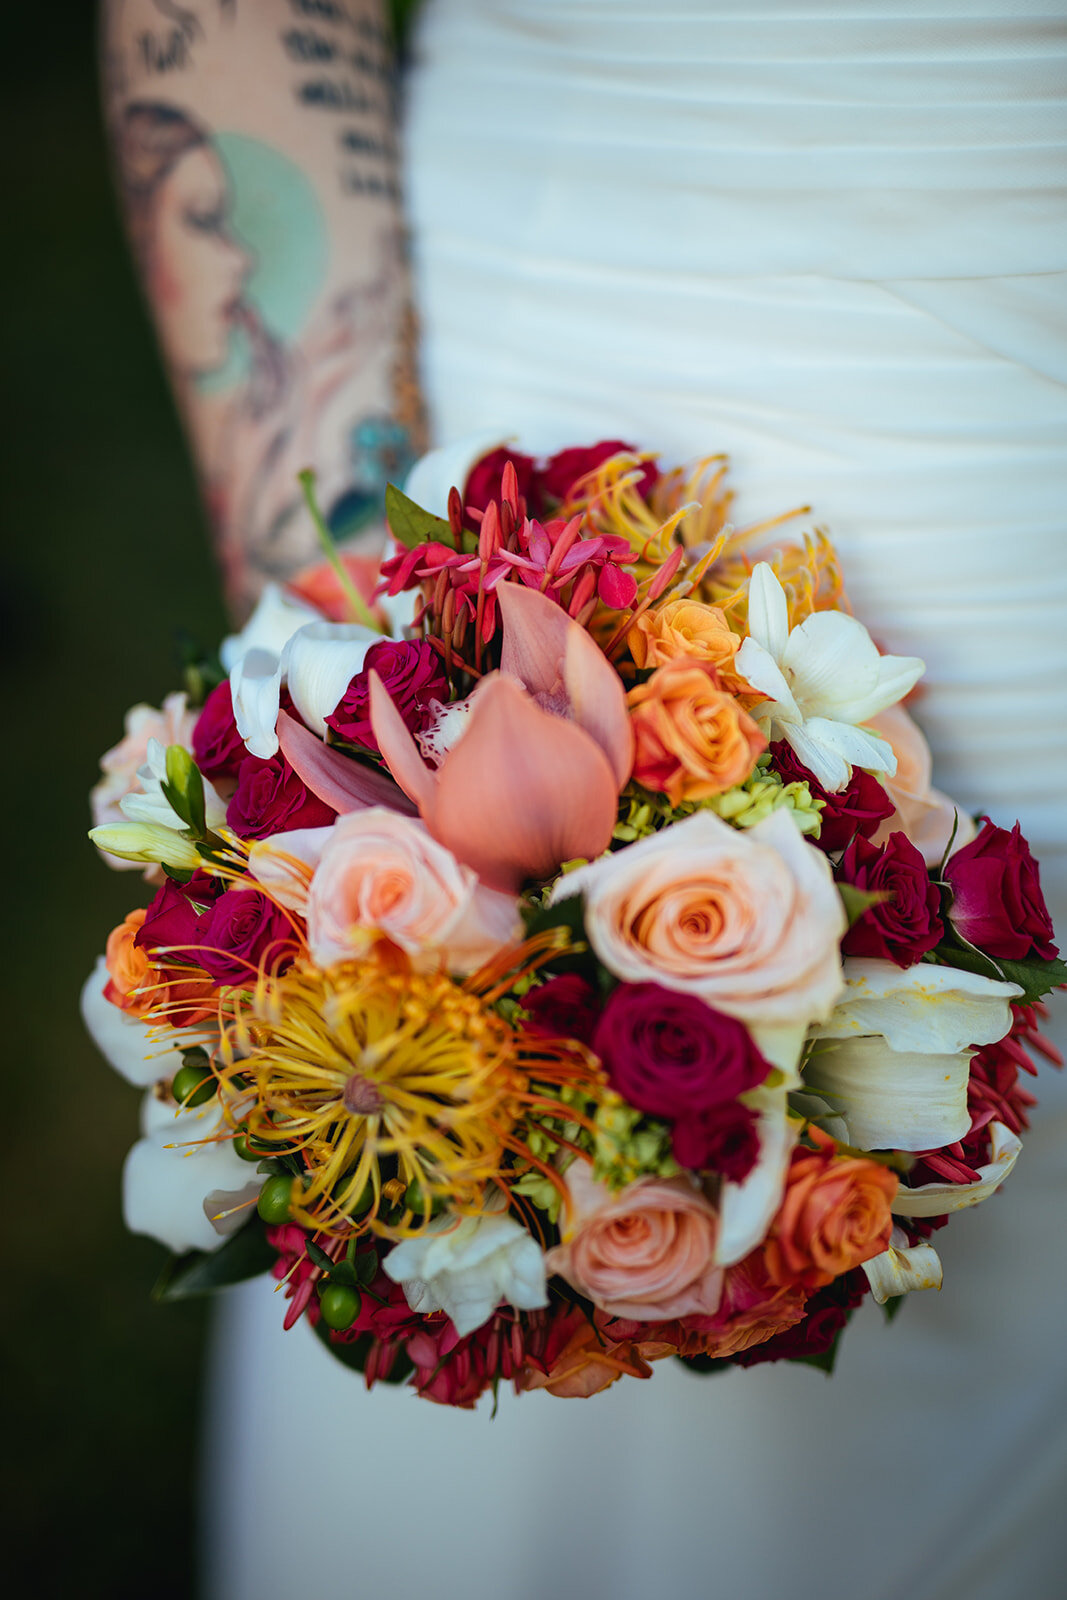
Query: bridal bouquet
(557, 957)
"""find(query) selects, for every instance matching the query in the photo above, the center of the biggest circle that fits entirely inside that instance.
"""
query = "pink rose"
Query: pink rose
(382, 873)
(173, 724)
(748, 921)
(646, 1252)
(923, 813)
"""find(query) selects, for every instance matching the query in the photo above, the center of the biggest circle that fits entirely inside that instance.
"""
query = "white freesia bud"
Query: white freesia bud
(144, 841)
(319, 662)
(892, 1099)
(466, 1267)
(138, 1051)
(902, 1267)
(182, 1174)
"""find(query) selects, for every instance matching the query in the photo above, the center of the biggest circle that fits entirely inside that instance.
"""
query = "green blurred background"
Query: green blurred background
(105, 558)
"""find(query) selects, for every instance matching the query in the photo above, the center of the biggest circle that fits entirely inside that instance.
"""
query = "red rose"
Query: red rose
(413, 674)
(671, 1054)
(242, 932)
(486, 477)
(858, 809)
(721, 1139)
(560, 474)
(218, 748)
(997, 903)
(563, 1008)
(170, 921)
(270, 798)
(903, 927)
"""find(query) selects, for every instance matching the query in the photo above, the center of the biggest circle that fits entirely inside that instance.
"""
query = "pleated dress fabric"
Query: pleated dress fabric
(829, 239)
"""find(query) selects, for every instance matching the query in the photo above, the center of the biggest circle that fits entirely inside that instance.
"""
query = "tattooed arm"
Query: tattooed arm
(255, 154)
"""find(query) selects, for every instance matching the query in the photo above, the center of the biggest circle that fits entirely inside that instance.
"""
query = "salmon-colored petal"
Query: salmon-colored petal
(522, 791)
(399, 748)
(340, 782)
(552, 655)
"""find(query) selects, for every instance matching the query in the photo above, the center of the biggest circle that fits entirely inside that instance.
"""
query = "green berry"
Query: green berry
(274, 1198)
(340, 1306)
(194, 1085)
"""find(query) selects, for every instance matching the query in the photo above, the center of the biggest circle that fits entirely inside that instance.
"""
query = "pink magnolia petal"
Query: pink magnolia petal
(522, 791)
(543, 647)
(340, 782)
(399, 748)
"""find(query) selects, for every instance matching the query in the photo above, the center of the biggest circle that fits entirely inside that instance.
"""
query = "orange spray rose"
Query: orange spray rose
(835, 1215)
(693, 739)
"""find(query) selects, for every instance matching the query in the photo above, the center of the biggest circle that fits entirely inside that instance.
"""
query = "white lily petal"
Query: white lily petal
(935, 1199)
(892, 1099)
(858, 747)
(143, 841)
(759, 668)
(923, 1008)
(901, 1268)
(830, 657)
(449, 466)
(270, 627)
(172, 1170)
(137, 1051)
(824, 763)
(256, 691)
(746, 1209)
(768, 610)
(320, 662)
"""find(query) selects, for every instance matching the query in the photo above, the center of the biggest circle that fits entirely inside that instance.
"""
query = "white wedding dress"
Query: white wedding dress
(826, 238)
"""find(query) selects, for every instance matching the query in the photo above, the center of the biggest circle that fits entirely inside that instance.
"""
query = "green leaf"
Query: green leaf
(317, 1255)
(954, 955)
(891, 1306)
(857, 901)
(245, 1254)
(1035, 978)
(366, 1267)
(825, 1361)
(410, 525)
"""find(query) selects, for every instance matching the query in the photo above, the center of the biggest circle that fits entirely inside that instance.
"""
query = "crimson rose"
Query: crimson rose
(997, 903)
(565, 1007)
(486, 479)
(218, 748)
(270, 798)
(411, 671)
(719, 1139)
(903, 927)
(858, 809)
(673, 1056)
(241, 932)
(562, 472)
(171, 920)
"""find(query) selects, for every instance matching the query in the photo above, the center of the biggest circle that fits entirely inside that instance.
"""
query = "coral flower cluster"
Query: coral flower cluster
(583, 973)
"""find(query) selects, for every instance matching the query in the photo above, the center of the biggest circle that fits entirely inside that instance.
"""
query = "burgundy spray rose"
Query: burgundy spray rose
(170, 921)
(565, 1007)
(270, 798)
(560, 474)
(903, 927)
(218, 748)
(411, 671)
(718, 1139)
(858, 809)
(997, 902)
(671, 1054)
(242, 931)
(486, 479)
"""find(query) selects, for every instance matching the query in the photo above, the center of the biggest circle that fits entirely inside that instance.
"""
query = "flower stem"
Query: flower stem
(360, 609)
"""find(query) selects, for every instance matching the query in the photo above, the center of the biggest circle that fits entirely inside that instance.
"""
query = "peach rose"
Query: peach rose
(749, 921)
(173, 724)
(381, 873)
(692, 738)
(686, 630)
(836, 1214)
(646, 1252)
(129, 969)
(583, 1362)
(923, 813)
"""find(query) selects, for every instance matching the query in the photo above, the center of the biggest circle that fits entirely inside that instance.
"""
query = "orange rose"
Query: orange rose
(129, 968)
(835, 1215)
(686, 630)
(586, 1364)
(693, 739)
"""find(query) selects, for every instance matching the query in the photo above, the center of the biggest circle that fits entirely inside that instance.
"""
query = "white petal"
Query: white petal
(270, 627)
(781, 1044)
(902, 1268)
(435, 473)
(170, 1172)
(746, 1209)
(829, 658)
(320, 662)
(892, 1099)
(256, 691)
(139, 1053)
(760, 669)
(925, 1008)
(768, 611)
(856, 745)
(823, 762)
(935, 1199)
(143, 841)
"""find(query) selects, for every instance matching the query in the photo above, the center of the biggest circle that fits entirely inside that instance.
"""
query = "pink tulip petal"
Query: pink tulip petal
(544, 646)
(340, 782)
(521, 791)
(399, 748)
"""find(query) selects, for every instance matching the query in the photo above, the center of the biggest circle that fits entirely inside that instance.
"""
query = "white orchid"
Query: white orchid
(925, 1008)
(902, 1267)
(823, 677)
(183, 1183)
(466, 1267)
